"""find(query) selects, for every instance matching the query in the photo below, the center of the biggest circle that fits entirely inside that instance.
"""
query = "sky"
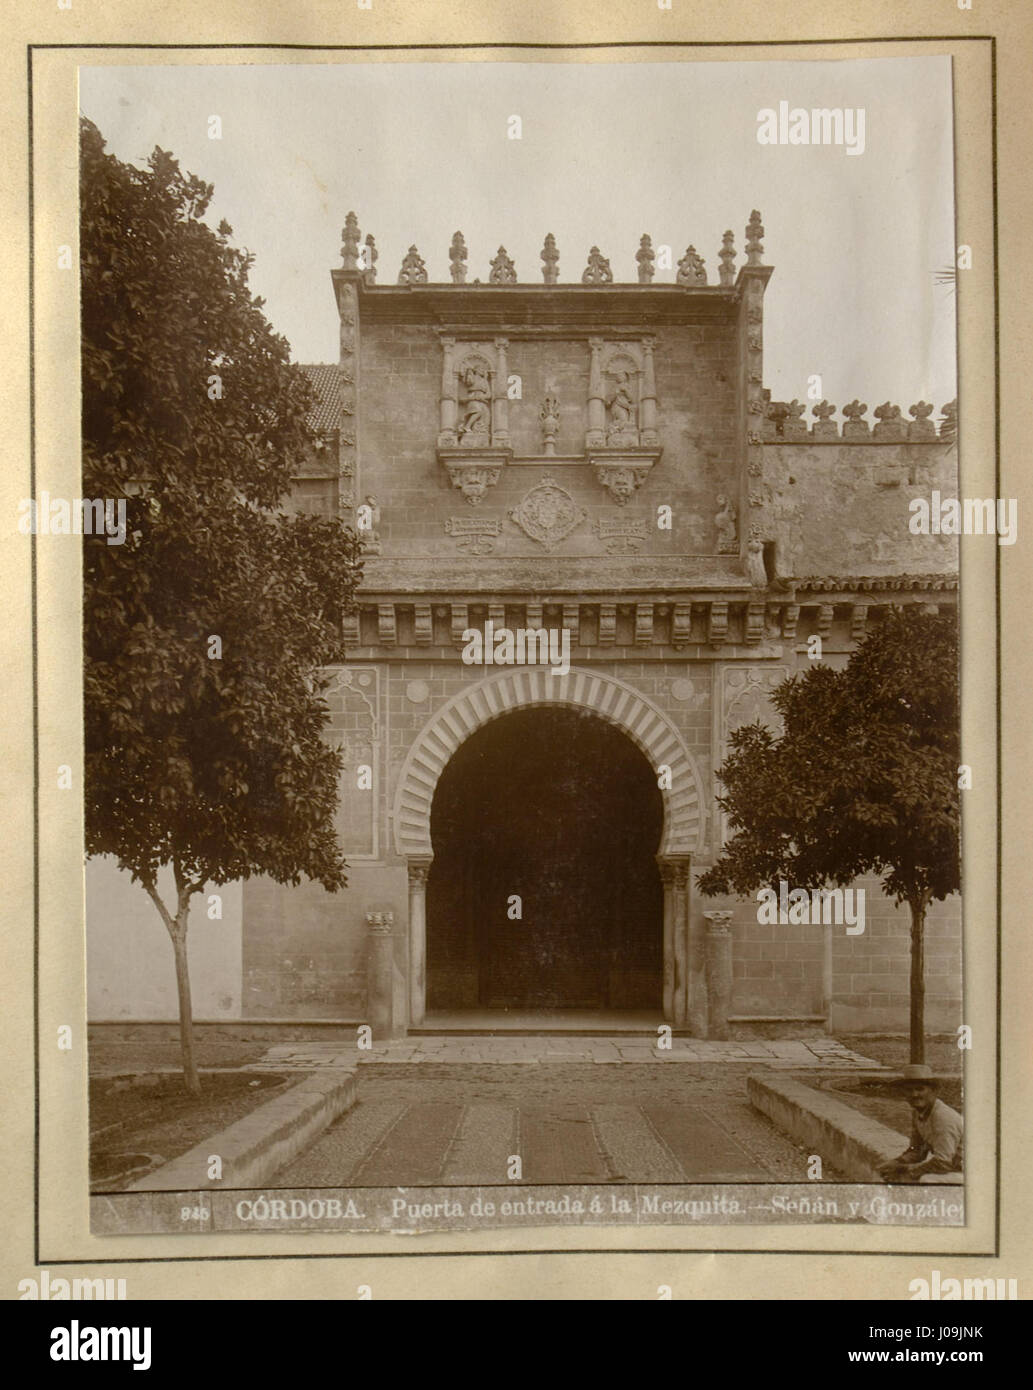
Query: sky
(608, 151)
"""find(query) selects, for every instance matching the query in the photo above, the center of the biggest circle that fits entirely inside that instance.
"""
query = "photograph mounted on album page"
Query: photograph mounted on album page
(516, 537)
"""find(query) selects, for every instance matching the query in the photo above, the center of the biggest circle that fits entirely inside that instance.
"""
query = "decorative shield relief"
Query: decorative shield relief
(548, 513)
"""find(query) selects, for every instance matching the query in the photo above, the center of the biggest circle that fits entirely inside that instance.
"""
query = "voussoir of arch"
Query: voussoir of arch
(524, 687)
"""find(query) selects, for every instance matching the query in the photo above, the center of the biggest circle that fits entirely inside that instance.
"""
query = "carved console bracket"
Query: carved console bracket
(474, 471)
(622, 471)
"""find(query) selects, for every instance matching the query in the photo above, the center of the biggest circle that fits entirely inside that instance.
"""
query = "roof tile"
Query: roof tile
(326, 412)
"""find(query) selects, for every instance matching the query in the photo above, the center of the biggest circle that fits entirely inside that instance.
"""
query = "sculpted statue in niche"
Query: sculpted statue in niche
(475, 398)
(622, 423)
(727, 529)
(370, 515)
(755, 568)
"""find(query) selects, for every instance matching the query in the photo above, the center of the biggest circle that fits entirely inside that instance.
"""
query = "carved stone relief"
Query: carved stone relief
(620, 537)
(356, 727)
(473, 536)
(548, 513)
(473, 437)
(727, 527)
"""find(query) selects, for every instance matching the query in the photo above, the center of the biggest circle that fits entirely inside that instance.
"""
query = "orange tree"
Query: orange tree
(206, 631)
(863, 779)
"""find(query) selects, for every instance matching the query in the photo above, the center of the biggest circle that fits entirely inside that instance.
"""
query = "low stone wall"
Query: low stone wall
(256, 1147)
(852, 1142)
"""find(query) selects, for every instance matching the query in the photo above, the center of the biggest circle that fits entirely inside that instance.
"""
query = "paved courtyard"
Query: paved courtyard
(457, 1110)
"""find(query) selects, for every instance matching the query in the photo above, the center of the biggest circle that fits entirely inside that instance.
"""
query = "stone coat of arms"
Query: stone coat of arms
(548, 513)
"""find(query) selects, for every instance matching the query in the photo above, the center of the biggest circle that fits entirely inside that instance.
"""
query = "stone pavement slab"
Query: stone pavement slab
(486, 1138)
(410, 1153)
(699, 1145)
(343, 1149)
(633, 1146)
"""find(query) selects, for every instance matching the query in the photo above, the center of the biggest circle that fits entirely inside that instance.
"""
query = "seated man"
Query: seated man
(937, 1131)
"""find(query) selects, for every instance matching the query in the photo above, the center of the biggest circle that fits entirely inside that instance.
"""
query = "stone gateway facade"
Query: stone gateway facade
(594, 469)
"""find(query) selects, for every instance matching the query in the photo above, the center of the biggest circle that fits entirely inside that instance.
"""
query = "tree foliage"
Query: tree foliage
(207, 756)
(862, 780)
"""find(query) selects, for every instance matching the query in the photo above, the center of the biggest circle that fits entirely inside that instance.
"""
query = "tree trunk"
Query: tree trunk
(918, 906)
(186, 1015)
(177, 930)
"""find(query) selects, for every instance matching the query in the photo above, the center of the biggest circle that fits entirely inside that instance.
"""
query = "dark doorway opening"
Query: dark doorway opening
(560, 810)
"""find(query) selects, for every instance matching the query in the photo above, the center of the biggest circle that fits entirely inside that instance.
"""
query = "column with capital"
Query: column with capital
(719, 972)
(447, 435)
(418, 870)
(500, 414)
(380, 974)
(647, 407)
(596, 436)
(699, 1022)
(681, 941)
(667, 877)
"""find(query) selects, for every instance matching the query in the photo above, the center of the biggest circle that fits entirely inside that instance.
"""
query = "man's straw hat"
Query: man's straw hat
(914, 1074)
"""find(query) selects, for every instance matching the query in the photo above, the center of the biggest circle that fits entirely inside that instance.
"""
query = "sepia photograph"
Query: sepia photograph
(522, 718)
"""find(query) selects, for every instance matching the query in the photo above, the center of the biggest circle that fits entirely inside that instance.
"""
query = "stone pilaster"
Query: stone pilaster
(755, 524)
(347, 457)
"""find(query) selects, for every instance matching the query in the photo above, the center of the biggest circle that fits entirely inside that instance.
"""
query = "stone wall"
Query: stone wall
(401, 387)
(842, 509)
(305, 949)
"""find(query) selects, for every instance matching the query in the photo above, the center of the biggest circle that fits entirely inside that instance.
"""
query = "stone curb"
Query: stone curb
(256, 1147)
(854, 1143)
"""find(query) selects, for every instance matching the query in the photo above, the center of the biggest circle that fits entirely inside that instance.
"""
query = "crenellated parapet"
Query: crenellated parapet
(786, 422)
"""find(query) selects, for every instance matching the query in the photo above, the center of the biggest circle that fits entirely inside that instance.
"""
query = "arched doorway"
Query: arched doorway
(555, 814)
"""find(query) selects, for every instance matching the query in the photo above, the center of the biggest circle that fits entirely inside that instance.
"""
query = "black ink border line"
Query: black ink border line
(997, 614)
(908, 39)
